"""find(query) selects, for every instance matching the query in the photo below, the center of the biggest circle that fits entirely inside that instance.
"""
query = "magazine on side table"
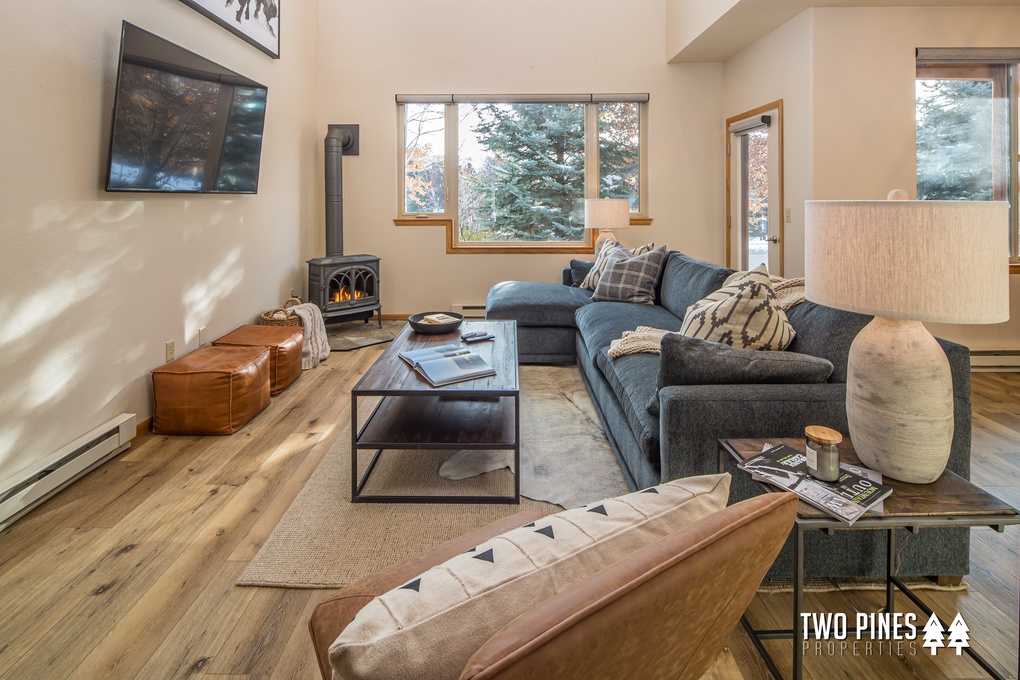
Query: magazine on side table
(447, 364)
(858, 489)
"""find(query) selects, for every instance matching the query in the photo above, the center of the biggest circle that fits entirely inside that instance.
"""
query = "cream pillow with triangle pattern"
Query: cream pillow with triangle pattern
(743, 313)
(430, 626)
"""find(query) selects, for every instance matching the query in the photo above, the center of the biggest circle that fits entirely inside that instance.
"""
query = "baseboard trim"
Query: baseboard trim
(995, 360)
(142, 428)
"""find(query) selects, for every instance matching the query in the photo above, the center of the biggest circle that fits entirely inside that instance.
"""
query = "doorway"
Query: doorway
(754, 189)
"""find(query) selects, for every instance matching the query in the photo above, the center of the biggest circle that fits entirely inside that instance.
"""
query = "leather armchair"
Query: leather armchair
(664, 611)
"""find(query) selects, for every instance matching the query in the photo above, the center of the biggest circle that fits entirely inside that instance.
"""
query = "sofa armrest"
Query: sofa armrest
(738, 411)
(567, 280)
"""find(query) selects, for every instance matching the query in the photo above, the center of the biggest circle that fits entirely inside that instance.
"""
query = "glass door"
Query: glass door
(754, 190)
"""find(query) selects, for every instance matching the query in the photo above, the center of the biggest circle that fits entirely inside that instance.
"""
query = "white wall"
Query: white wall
(463, 46)
(864, 137)
(776, 67)
(92, 284)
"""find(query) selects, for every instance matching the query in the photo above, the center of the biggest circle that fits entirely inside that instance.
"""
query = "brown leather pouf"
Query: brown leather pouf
(213, 390)
(284, 343)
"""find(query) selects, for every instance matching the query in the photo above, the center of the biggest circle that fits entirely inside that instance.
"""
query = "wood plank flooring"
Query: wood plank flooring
(130, 571)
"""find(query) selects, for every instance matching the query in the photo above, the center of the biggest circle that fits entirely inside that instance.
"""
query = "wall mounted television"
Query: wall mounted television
(182, 123)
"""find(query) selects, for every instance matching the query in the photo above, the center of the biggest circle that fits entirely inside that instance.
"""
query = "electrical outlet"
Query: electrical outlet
(201, 336)
(169, 350)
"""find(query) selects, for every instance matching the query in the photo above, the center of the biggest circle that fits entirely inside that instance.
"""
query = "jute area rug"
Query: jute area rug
(325, 541)
(348, 335)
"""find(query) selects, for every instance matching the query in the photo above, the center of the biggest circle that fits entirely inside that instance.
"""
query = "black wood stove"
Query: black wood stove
(344, 287)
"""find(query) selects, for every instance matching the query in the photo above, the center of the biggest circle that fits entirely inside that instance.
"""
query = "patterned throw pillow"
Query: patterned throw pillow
(743, 313)
(592, 279)
(630, 278)
(430, 626)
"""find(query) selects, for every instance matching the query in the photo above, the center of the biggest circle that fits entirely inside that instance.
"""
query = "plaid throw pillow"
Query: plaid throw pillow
(743, 313)
(630, 278)
(592, 279)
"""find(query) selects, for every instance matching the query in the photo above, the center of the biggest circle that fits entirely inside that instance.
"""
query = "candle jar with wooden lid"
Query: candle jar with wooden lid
(822, 448)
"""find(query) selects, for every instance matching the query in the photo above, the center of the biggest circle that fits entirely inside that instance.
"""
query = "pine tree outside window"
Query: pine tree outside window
(967, 141)
(510, 173)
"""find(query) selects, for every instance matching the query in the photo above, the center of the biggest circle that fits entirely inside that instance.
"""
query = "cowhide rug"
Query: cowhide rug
(565, 457)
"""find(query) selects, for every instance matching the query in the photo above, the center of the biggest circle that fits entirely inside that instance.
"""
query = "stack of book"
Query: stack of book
(447, 364)
(858, 489)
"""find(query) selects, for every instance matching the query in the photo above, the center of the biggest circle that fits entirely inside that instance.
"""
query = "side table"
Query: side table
(949, 501)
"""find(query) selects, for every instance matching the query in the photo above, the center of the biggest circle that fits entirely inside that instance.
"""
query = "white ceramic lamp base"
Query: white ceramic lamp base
(604, 235)
(899, 401)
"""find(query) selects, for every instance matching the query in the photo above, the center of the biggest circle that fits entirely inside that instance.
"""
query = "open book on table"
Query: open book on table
(857, 490)
(447, 364)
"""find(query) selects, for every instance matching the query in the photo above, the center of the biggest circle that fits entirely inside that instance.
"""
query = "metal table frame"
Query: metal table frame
(889, 525)
(411, 394)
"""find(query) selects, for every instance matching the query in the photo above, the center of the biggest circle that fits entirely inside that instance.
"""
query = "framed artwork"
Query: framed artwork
(255, 21)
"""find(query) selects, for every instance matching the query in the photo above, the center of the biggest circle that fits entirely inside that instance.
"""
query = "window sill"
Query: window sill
(523, 248)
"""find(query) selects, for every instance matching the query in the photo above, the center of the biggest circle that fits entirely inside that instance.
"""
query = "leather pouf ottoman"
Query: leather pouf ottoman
(213, 390)
(284, 344)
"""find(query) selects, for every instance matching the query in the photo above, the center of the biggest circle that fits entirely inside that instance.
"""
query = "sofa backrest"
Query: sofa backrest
(686, 280)
(825, 332)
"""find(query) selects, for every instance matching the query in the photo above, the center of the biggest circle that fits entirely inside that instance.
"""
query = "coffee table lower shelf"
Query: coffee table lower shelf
(431, 422)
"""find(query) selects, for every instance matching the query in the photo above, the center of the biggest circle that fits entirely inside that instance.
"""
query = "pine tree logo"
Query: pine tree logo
(959, 634)
(933, 634)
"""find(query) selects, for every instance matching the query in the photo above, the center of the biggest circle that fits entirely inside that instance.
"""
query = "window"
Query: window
(510, 173)
(967, 129)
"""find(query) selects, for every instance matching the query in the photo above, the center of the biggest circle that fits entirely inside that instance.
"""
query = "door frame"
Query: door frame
(779, 203)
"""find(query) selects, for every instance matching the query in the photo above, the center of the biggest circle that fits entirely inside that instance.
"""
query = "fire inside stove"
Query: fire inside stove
(345, 294)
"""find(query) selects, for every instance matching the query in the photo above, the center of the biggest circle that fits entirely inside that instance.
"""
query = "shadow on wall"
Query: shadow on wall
(84, 294)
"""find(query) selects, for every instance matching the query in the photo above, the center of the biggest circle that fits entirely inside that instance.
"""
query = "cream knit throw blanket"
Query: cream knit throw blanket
(789, 293)
(316, 347)
(643, 339)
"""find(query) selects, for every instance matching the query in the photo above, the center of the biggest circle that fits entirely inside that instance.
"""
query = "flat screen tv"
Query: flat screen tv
(182, 123)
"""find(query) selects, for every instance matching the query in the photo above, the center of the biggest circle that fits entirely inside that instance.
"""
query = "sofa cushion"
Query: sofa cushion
(826, 332)
(690, 361)
(602, 322)
(686, 280)
(430, 626)
(743, 313)
(630, 278)
(632, 379)
(535, 304)
(578, 270)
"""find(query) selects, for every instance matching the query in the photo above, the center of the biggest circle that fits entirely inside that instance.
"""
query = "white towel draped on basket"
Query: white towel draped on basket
(316, 346)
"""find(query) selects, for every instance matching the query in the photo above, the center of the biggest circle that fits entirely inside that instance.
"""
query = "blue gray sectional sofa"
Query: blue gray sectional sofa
(561, 324)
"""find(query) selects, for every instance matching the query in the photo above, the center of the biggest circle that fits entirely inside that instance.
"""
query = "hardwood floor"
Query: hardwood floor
(130, 571)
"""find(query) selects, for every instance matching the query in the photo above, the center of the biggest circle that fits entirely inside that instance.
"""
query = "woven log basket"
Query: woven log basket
(289, 318)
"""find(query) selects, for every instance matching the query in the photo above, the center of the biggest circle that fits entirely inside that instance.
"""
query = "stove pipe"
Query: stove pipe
(335, 141)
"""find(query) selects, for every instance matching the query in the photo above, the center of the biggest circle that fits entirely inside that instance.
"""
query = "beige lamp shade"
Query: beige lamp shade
(940, 261)
(606, 213)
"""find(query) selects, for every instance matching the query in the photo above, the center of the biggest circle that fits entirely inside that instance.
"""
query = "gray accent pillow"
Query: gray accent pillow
(690, 361)
(578, 271)
(630, 278)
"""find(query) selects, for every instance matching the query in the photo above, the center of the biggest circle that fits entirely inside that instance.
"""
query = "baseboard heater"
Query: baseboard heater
(64, 466)
(474, 311)
(995, 360)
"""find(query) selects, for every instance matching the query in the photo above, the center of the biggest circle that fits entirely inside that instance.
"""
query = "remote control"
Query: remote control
(480, 338)
(473, 334)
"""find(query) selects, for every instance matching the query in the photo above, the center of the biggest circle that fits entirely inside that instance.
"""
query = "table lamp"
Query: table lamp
(606, 214)
(906, 262)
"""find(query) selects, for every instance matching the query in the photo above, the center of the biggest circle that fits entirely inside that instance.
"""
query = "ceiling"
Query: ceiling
(748, 20)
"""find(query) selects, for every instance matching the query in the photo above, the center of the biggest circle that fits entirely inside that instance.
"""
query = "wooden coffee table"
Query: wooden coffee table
(949, 501)
(482, 414)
